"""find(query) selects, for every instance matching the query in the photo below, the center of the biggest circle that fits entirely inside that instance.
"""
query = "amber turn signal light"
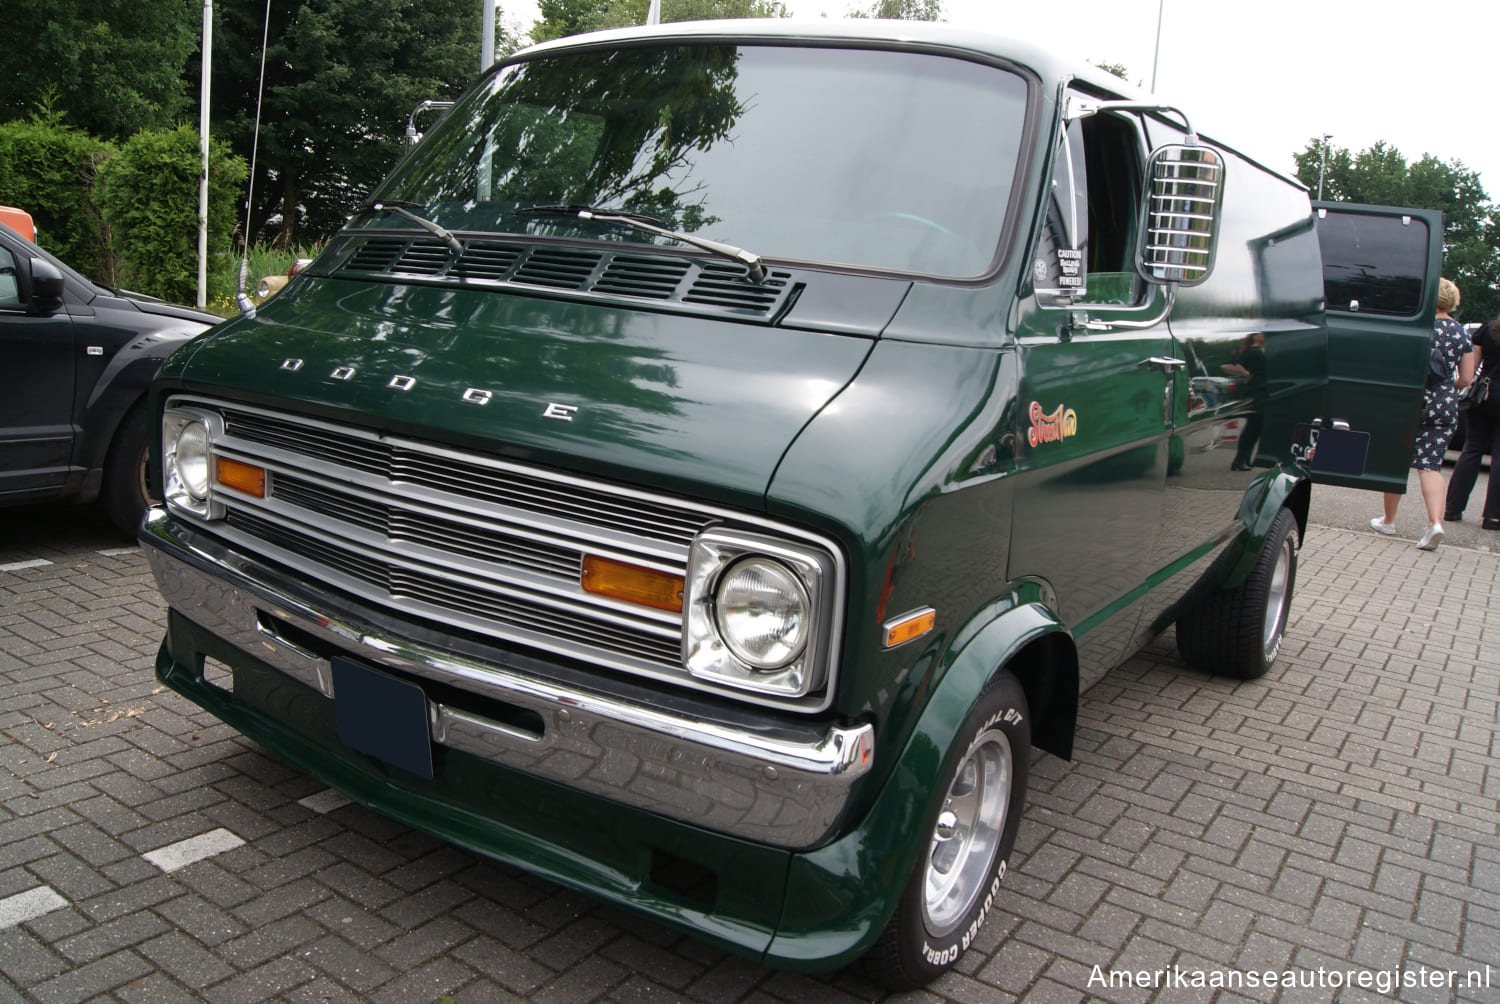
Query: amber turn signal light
(908, 627)
(240, 476)
(632, 583)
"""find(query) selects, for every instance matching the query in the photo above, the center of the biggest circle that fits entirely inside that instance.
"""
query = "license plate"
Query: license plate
(1332, 451)
(382, 716)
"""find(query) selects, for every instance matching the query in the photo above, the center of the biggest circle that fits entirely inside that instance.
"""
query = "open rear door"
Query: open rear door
(1380, 272)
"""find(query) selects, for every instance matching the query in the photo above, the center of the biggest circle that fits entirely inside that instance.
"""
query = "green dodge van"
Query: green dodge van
(718, 453)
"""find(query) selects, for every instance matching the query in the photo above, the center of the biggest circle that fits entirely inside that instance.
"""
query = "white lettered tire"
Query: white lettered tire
(970, 831)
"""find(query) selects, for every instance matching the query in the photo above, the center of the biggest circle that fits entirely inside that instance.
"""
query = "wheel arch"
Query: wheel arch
(834, 909)
(1278, 489)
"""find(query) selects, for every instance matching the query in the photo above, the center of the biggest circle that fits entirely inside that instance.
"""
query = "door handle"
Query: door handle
(1167, 364)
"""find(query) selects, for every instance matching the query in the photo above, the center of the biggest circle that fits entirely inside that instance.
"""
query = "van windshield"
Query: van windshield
(866, 158)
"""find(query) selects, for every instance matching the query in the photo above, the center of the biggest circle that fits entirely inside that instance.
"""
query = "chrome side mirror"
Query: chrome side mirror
(1181, 213)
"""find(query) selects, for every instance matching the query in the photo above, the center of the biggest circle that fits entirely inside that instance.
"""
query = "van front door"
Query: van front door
(1098, 372)
(1380, 271)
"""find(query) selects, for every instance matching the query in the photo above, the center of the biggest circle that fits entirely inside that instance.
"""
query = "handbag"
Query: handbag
(1438, 372)
(1474, 395)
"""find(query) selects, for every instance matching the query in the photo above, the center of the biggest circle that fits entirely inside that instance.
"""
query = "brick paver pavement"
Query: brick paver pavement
(1336, 821)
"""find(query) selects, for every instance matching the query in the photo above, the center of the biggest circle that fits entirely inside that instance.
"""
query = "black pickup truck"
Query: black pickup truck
(77, 359)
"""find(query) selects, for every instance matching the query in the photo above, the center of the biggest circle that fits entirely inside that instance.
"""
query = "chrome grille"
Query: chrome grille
(482, 545)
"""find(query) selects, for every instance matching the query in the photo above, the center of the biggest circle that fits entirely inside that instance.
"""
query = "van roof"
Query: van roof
(1045, 62)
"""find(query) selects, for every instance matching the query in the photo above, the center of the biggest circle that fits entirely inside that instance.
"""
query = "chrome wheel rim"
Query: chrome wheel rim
(143, 480)
(1277, 597)
(966, 838)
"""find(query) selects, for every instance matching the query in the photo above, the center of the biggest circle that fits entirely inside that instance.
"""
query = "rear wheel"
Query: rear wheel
(969, 836)
(127, 492)
(1238, 632)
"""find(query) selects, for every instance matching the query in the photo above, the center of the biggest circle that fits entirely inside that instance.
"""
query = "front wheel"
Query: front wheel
(1238, 632)
(126, 492)
(969, 836)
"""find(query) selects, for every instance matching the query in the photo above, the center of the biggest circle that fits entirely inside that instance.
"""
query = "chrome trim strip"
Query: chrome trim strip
(785, 787)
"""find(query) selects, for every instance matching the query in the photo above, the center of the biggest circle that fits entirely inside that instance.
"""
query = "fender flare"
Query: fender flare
(840, 896)
(1279, 487)
(124, 383)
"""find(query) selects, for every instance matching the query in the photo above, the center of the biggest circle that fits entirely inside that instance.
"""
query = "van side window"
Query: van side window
(1373, 264)
(1088, 239)
(10, 293)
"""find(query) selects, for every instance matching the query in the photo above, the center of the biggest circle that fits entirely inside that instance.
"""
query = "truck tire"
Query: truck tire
(1238, 632)
(126, 493)
(970, 832)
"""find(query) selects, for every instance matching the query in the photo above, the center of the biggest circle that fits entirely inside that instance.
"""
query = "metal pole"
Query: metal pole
(487, 35)
(1160, 9)
(208, 31)
(653, 13)
(1323, 164)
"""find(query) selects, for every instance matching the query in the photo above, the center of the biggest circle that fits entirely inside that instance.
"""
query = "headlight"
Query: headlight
(187, 438)
(190, 457)
(761, 613)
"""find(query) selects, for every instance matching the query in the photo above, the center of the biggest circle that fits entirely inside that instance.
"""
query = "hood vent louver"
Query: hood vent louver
(686, 283)
(558, 267)
(486, 260)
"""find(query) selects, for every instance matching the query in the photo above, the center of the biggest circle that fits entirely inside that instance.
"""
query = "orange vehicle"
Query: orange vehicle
(18, 220)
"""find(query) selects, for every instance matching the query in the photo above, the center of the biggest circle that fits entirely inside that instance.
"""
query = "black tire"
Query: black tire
(1238, 632)
(957, 877)
(126, 492)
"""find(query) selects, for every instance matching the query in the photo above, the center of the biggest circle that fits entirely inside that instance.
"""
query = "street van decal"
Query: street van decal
(1053, 428)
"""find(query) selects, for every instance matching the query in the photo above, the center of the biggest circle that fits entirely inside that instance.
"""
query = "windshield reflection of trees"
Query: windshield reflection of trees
(609, 129)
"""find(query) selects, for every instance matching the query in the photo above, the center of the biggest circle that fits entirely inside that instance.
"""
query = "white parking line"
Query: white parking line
(115, 552)
(185, 852)
(28, 905)
(16, 566)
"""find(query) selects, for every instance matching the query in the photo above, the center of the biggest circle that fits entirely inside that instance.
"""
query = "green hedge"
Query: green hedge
(127, 215)
(49, 171)
(148, 194)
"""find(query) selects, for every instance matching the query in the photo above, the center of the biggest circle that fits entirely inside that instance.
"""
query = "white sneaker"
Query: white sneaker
(1379, 525)
(1432, 538)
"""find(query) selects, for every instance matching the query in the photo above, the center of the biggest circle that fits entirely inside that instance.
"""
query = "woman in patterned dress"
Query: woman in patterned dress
(1438, 422)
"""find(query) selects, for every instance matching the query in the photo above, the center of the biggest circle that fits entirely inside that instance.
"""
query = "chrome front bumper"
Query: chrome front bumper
(783, 787)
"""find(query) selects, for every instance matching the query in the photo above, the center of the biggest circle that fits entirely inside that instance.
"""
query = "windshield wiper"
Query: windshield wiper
(404, 209)
(651, 225)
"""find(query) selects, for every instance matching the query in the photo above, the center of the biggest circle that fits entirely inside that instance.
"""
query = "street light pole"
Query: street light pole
(208, 29)
(1323, 164)
(1156, 57)
(486, 34)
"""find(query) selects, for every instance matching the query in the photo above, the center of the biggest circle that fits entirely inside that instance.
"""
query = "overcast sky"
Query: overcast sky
(1267, 77)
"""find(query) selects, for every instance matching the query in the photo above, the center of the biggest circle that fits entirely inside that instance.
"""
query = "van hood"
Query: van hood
(669, 401)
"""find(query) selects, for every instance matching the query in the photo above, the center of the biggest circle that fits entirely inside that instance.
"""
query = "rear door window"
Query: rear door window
(1373, 264)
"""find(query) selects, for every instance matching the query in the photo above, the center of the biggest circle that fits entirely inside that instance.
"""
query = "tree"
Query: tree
(570, 17)
(565, 17)
(109, 68)
(903, 10)
(341, 78)
(1380, 175)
